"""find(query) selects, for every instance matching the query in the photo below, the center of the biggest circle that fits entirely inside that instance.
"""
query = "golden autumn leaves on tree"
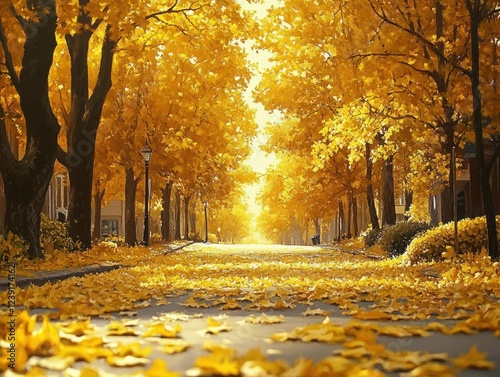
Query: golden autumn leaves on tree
(393, 84)
(375, 96)
(86, 40)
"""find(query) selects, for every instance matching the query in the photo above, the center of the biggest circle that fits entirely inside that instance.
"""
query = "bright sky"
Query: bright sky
(259, 160)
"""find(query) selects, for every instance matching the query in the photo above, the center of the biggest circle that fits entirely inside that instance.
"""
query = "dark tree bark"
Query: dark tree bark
(317, 225)
(186, 217)
(447, 208)
(98, 197)
(165, 216)
(355, 216)
(478, 12)
(192, 221)
(2, 205)
(408, 202)
(26, 182)
(349, 217)
(370, 197)
(388, 202)
(130, 194)
(85, 116)
(341, 220)
(177, 209)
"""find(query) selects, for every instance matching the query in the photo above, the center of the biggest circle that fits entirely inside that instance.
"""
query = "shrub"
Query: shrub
(396, 238)
(12, 249)
(54, 235)
(372, 236)
(472, 238)
(116, 240)
(196, 237)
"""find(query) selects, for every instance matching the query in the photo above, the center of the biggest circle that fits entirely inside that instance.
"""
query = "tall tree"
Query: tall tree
(105, 23)
(481, 11)
(26, 181)
(450, 51)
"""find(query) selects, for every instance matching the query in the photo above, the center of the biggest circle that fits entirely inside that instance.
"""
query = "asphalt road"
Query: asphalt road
(245, 336)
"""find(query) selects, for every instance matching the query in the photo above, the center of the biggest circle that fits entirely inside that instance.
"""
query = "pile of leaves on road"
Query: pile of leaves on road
(465, 289)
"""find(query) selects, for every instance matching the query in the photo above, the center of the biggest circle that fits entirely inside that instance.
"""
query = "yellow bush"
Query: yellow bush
(472, 237)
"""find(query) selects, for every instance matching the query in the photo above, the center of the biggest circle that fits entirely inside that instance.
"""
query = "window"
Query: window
(109, 228)
(61, 192)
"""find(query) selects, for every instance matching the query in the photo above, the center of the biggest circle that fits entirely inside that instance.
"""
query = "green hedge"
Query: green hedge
(396, 238)
(372, 237)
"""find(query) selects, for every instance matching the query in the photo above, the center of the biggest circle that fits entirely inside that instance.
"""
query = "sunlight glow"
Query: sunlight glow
(259, 160)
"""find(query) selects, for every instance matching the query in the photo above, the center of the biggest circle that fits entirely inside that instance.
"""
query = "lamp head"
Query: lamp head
(146, 153)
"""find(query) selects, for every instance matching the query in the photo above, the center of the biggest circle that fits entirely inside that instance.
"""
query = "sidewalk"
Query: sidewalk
(53, 276)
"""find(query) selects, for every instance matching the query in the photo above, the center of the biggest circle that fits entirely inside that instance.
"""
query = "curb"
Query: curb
(53, 276)
(168, 251)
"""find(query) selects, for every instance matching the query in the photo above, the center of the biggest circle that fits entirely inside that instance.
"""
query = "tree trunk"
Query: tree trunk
(388, 202)
(25, 197)
(369, 189)
(177, 215)
(165, 216)
(192, 220)
(475, 11)
(408, 202)
(355, 216)
(186, 217)
(80, 197)
(317, 225)
(341, 220)
(2, 205)
(26, 182)
(85, 116)
(447, 208)
(130, 194)
(349, 217)
(98, 197)
(448, 124)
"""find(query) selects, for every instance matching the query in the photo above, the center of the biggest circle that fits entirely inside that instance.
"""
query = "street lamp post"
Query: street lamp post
(146, 154)
(205, 205)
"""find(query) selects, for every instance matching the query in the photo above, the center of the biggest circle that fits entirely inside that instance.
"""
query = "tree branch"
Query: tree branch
(103, 83)
(495, 156)
(22, 21)
(169, 24)
(171, 9)
(62, 156)
(426, 43)
(98, 21)
(8, 58)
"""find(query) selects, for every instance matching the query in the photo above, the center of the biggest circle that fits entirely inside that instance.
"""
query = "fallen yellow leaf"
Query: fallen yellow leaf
(473, 360)
(163, 330)
(159, 368)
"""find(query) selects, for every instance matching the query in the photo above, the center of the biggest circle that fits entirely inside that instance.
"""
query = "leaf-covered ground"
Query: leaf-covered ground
(258, 311)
